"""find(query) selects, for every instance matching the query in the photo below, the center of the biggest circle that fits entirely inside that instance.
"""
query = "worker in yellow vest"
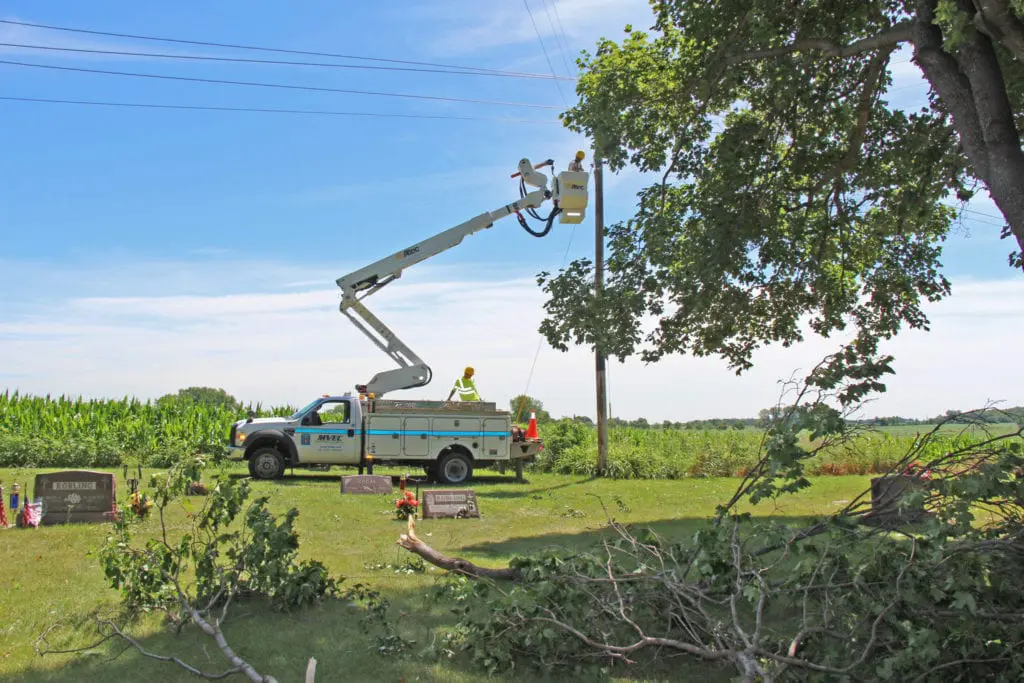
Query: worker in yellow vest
(466, 387)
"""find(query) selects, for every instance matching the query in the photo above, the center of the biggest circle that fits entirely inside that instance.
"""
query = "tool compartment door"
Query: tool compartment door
(417, 437)
(496, 437)
(463, 431)
(383, 436)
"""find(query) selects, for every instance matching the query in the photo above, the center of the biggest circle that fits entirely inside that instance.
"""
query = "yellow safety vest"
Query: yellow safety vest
(466, 389)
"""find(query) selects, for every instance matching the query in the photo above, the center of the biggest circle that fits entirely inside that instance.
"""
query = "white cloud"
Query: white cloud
(476, 27)
(285, 346)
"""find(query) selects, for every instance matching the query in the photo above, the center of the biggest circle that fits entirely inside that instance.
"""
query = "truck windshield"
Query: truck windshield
(298, 413)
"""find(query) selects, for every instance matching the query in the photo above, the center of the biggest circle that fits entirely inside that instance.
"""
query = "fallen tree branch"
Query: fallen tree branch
(164, 658)
(413, 544)
(213, 630)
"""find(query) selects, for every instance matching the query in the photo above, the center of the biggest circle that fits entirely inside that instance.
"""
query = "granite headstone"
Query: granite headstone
(366, 483)
(76, 496)
(450, 503)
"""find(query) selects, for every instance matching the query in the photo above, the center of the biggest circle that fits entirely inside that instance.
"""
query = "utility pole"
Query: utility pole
(599, 358)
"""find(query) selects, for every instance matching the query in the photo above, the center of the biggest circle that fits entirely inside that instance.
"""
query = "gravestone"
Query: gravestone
(450, 503)
(886, 501)
(366, 483)
(76, 496)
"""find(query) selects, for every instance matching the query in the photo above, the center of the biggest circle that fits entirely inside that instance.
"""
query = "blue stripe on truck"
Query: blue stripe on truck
(383, 432)
(388, 432)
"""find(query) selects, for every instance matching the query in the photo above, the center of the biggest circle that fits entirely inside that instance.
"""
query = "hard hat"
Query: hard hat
(468, 371)
(580, 154)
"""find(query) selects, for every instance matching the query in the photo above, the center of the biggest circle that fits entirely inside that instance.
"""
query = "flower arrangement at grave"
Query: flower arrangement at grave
(405, 507)
(140, 503)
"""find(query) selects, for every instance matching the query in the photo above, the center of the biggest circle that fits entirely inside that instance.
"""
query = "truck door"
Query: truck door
(383, 436)
(496, 436)
(328, 435)
(417, 437)
(456, 431)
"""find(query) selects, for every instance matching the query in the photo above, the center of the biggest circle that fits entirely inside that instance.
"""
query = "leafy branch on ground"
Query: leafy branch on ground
(811, 600)
(234, 549)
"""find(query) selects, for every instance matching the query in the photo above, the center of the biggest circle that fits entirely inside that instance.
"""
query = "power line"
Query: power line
(558, 18)
(278, 85)
(244, 60)
(238, 46)
(563, 45)
(986, 215)
(315, 112)
(545, 49)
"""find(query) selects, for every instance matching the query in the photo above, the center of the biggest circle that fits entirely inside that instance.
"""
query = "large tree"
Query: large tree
(790, 190)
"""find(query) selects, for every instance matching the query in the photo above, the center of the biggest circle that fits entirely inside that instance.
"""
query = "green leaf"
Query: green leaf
(962, 599)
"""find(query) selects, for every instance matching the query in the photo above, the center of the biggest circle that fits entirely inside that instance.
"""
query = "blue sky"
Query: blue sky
(149, 249)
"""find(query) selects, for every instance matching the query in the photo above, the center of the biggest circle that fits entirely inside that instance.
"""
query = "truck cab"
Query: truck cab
(328, 430)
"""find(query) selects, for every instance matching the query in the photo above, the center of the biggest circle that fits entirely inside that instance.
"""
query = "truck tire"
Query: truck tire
(266, 463)
(454, 468)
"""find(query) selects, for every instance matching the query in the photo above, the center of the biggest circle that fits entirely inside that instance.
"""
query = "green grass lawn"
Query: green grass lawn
(52, 573)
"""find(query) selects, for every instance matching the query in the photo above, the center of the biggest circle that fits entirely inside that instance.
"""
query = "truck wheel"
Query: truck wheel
(454, 468)
(266, 463)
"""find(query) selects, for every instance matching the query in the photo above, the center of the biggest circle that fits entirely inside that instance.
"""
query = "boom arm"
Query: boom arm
(356, 286)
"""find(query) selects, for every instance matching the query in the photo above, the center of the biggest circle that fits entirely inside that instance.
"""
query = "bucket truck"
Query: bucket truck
(569, 196)
(448, 439)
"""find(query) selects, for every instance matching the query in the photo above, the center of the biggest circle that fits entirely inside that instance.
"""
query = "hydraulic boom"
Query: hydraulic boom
(569, 195)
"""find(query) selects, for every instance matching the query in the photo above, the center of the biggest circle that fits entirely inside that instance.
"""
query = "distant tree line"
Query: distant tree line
(521, 406)
(1015, 414)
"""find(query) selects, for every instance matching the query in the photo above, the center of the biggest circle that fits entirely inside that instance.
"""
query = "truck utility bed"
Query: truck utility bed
(440, 407)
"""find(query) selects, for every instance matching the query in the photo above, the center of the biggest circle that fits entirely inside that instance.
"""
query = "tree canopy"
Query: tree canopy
(522, 405)
(791, 193)
(207, 396)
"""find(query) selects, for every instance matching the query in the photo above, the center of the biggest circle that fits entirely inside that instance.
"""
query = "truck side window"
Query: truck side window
(336, 412)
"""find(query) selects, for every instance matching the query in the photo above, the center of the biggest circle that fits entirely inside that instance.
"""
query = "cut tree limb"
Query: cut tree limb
(213, 630)
(413, 544)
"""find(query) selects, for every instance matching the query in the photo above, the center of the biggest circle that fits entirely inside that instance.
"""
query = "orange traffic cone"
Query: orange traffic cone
(531, 430)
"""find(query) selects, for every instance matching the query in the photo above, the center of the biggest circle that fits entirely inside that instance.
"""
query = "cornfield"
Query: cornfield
(570, 448)
(40, 431)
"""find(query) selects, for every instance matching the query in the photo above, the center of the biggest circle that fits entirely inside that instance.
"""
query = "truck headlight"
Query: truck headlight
(239, 439)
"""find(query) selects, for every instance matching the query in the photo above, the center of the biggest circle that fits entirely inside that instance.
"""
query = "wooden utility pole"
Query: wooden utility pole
(599, 358)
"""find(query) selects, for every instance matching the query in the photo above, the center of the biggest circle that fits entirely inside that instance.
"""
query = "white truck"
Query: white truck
(448, 439)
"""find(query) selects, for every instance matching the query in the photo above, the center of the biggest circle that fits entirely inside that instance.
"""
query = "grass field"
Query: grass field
(52, 573)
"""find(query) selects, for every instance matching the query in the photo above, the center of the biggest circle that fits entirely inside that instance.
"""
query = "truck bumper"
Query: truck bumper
(236, 453)
(524, 450)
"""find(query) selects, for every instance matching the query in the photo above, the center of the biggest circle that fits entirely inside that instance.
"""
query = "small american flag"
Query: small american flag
(31, 513)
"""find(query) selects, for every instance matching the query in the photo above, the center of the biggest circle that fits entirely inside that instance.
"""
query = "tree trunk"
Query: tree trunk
(972, 90)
